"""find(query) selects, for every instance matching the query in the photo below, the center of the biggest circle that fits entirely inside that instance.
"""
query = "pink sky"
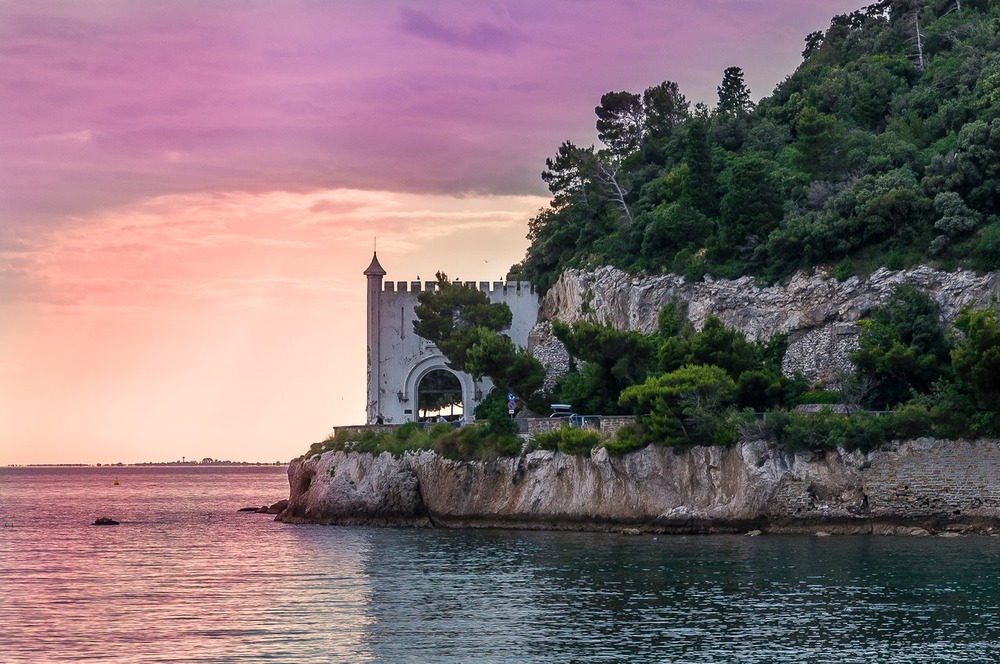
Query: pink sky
(189, 190)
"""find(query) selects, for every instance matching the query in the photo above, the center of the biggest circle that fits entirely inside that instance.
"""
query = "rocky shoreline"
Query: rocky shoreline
(916, 487)
(913, 487)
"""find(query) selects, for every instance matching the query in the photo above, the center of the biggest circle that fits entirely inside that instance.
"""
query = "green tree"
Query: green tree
(467, 328)
(976, 356)
(902, 348)
(699, 184)
(612, 360)
(670, 227)
(955, 219)
(751, 207)
(665, 110)
(717, 345)
(978, 164)
(734, 95)
(569, 175)
(813, 41)
(452, 315)
(621, 120)
(510, 368)
(819, 143)
(681, 407)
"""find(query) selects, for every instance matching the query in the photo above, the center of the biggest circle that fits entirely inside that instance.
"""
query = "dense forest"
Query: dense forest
(882, 148)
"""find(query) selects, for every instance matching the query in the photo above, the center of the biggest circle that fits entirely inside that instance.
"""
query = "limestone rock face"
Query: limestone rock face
(348, 489)
(931, 484)
(818, 313)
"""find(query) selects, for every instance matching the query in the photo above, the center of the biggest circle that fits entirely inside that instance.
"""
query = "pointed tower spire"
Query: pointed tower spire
(375, 272)
(375, 269)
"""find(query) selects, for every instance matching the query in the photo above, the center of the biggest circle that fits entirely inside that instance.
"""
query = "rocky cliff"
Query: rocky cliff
(916, 486)
(819, 314)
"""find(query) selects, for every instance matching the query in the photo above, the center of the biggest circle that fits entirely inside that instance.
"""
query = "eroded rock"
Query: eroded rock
(818, 313)
(749, 486)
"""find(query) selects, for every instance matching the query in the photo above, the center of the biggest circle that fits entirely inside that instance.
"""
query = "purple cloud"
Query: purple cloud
(484, 36)
(445, 97)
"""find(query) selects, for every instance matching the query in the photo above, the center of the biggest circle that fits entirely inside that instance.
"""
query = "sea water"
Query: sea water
(188, 578)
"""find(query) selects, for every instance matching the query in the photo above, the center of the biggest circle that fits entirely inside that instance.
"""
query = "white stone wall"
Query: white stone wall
(407, 357)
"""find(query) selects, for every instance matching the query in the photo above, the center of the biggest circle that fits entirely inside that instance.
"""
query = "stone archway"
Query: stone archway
(423, 368)
(439, 396)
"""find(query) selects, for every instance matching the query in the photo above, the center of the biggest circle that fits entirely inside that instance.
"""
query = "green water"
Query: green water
(587, 597)
(187, 578)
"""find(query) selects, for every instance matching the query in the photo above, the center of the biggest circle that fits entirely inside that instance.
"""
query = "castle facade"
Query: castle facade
(399, 361)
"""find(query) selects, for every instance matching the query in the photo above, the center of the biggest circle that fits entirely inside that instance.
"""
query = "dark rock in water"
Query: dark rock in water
(277, 508)
(265, 509)
(105, 521)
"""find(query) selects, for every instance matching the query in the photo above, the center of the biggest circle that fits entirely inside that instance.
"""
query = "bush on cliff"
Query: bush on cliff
(629, 438)
(830, 430)
(568, 440)
(464, 443)
(683, 407)
(471, 443)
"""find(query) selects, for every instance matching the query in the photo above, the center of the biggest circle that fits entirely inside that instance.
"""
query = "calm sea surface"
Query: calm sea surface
(187, 578)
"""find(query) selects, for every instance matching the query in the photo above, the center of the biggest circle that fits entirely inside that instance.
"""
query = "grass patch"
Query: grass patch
(464, 443)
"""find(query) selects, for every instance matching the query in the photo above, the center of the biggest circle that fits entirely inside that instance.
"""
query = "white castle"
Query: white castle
(399, 360)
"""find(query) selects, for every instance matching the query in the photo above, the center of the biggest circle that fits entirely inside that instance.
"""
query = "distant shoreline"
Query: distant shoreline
(148, 464)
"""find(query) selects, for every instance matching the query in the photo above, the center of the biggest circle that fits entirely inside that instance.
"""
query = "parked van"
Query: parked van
(561, 410)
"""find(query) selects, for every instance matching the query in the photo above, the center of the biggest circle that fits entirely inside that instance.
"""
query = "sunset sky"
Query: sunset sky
(190, 190)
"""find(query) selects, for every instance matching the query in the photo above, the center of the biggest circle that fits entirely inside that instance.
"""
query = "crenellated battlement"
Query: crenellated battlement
(495, 287)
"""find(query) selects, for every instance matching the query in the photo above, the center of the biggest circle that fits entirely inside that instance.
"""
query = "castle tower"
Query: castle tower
(399, 359)
(374, 274)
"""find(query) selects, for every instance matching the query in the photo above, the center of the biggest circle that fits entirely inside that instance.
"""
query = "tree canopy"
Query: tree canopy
(877, 149)
(469, 330)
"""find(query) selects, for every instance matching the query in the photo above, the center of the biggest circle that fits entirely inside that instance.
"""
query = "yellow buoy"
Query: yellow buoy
(116, 481)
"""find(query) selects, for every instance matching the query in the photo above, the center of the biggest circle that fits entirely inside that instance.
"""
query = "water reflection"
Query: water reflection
(186, 577)
(439, 596)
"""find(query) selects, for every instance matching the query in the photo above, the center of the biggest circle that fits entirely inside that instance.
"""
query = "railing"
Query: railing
(608, 425)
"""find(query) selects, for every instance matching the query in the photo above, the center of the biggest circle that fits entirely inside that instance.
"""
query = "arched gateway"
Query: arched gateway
(399, 360)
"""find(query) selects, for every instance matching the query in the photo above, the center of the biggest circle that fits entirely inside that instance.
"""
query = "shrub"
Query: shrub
(911, 421)
(407, 431)
(578, 441)
(628, 439)
(465, 443)
(820, 397)
(568, 440)
(828, 430)
(476, 443)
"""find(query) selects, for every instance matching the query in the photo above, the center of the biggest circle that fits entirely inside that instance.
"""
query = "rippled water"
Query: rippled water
(188, 578)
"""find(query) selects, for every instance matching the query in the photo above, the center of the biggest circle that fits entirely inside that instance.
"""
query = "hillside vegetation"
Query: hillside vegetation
(882, 148)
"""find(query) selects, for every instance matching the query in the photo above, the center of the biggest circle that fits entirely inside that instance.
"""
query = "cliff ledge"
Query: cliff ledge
(913, 487)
